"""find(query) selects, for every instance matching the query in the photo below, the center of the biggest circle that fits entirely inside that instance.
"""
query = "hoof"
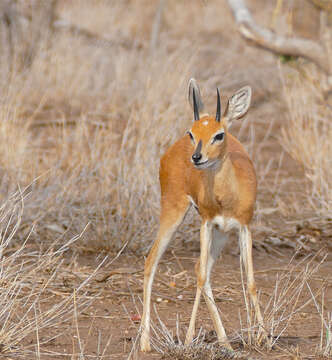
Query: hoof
(145, 344)
(188, 340)
(145, 347)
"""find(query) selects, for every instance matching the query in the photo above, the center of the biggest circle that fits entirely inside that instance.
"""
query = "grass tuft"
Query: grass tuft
(31, 281)
(307, 134)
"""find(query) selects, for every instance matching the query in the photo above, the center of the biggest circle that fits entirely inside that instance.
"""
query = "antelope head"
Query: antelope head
(208, 133)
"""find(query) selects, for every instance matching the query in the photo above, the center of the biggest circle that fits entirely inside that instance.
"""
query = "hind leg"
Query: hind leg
(246, 256)
(219, 240)
(212, 242)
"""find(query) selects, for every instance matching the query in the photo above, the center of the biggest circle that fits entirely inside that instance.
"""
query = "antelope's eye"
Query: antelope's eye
(219, 137)
(191, 136)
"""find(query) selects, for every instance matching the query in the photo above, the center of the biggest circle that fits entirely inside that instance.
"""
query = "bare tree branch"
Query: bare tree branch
(265, 38)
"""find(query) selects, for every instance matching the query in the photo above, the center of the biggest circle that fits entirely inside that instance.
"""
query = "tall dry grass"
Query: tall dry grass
(84, 119)
(31, 310)
(308, 133)
(95, 107)
(91, 123)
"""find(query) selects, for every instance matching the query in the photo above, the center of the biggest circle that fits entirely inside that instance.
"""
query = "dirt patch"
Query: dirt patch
(109, 326)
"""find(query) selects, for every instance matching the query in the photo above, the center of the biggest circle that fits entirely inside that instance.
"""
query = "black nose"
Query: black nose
(196, 157)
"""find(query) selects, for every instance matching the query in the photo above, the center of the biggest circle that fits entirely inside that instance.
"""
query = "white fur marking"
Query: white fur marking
(226, 224)
(192, 201)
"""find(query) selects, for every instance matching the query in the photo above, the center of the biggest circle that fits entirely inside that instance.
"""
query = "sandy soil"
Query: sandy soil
(117, 291)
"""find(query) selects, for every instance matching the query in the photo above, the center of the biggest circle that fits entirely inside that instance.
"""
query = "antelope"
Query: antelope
(209, 169)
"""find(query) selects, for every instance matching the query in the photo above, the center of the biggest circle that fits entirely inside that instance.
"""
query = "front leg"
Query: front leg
(169, 222)
(201, 271)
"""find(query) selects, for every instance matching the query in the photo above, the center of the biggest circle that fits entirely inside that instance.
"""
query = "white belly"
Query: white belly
(226, 224)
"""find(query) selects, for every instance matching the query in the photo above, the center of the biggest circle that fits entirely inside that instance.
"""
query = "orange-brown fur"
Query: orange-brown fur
(233, 186)
(211, 168)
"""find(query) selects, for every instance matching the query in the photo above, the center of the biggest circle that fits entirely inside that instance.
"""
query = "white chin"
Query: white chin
(207, 164)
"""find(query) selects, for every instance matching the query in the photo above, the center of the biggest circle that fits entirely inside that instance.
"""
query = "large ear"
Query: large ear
(238, 104)
(193, 91)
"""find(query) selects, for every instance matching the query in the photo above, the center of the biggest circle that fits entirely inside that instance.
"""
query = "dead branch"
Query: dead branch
(267, 39)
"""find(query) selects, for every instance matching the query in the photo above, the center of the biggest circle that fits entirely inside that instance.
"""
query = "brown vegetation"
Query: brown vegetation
(90, 98)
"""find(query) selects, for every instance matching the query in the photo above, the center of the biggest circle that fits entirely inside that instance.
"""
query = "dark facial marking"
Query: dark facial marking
(191, 137)
(199, 147)
(197, 154)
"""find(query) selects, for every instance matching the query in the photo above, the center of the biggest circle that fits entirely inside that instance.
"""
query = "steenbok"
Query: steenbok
(209, 169)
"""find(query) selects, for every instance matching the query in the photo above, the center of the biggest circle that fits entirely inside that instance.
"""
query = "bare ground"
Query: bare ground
(109, 326)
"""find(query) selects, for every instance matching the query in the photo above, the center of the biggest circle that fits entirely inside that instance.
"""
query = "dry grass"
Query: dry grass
(325, 346)
(87, 108)
(308, 133)
(199, 351)
(289, 297)
(94, 109)
(34, 303)
(93, 125)
(292, 295)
